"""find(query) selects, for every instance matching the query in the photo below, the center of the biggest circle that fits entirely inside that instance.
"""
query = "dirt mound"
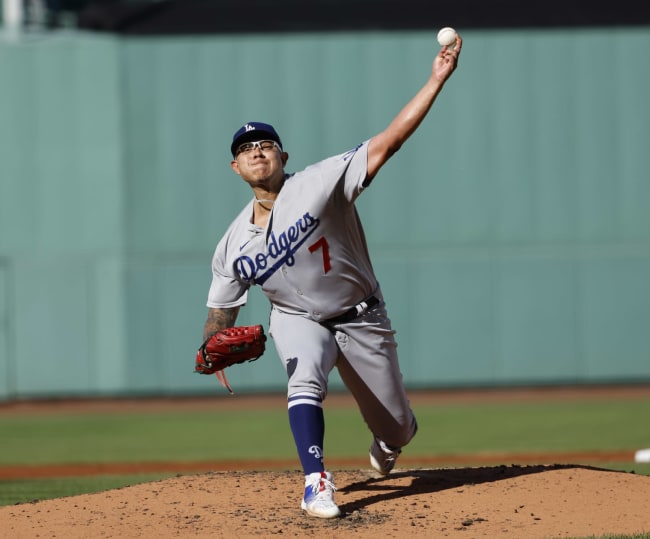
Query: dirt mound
(495, 502)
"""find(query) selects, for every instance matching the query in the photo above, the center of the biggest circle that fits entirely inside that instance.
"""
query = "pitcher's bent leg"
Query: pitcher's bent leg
(370, 369)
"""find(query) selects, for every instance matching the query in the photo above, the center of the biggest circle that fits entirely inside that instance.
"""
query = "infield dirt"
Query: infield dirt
(493, 502)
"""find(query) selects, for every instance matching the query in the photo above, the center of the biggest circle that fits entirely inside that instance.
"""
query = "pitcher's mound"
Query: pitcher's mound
(492, 502)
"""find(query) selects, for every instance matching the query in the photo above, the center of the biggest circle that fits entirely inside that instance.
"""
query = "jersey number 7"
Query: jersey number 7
(321, 243)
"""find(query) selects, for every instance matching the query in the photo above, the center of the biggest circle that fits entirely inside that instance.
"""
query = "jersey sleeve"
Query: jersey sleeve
(225, 290)
(226, 293)
(356, 171)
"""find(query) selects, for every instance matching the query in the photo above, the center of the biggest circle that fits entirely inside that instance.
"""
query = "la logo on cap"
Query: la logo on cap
(249, 127)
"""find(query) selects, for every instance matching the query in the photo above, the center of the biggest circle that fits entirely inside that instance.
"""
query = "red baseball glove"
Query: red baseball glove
(228, 347)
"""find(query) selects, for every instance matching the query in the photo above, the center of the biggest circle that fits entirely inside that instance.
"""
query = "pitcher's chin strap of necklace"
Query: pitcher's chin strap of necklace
(262, 201)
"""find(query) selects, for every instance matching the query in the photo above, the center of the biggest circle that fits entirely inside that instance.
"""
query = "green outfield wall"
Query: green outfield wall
(511, 234)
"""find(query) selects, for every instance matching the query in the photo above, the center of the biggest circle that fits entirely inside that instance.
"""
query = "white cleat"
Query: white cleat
(382, 457)
(319, 496)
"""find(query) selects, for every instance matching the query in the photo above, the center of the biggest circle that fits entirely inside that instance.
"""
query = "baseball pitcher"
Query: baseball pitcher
(301, 240)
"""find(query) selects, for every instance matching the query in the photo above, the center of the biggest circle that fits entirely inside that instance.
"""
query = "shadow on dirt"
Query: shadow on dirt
(380, 489)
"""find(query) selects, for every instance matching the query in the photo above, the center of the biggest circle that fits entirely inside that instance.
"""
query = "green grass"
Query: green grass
(31, 490)
(522, 427)
(138, 437)
(258, 434)
(213, 434)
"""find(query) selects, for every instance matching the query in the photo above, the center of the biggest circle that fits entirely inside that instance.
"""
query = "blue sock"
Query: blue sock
(308, 427)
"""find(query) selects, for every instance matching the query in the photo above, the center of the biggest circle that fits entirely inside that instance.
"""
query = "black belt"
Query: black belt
(355, 312)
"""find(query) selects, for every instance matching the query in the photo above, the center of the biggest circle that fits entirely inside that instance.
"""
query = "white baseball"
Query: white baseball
(642, 455)
(447, 36)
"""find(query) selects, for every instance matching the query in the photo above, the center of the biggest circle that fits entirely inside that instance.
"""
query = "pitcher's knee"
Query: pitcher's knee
(410, 431)
(400, 434)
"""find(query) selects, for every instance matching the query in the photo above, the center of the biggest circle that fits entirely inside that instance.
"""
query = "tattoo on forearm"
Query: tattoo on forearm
(219, 319)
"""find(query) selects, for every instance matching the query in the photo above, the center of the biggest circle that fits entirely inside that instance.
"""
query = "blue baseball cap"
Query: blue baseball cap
(254, 131)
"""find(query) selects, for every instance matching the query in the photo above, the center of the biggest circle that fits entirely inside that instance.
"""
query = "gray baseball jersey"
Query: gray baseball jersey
(312, 257)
